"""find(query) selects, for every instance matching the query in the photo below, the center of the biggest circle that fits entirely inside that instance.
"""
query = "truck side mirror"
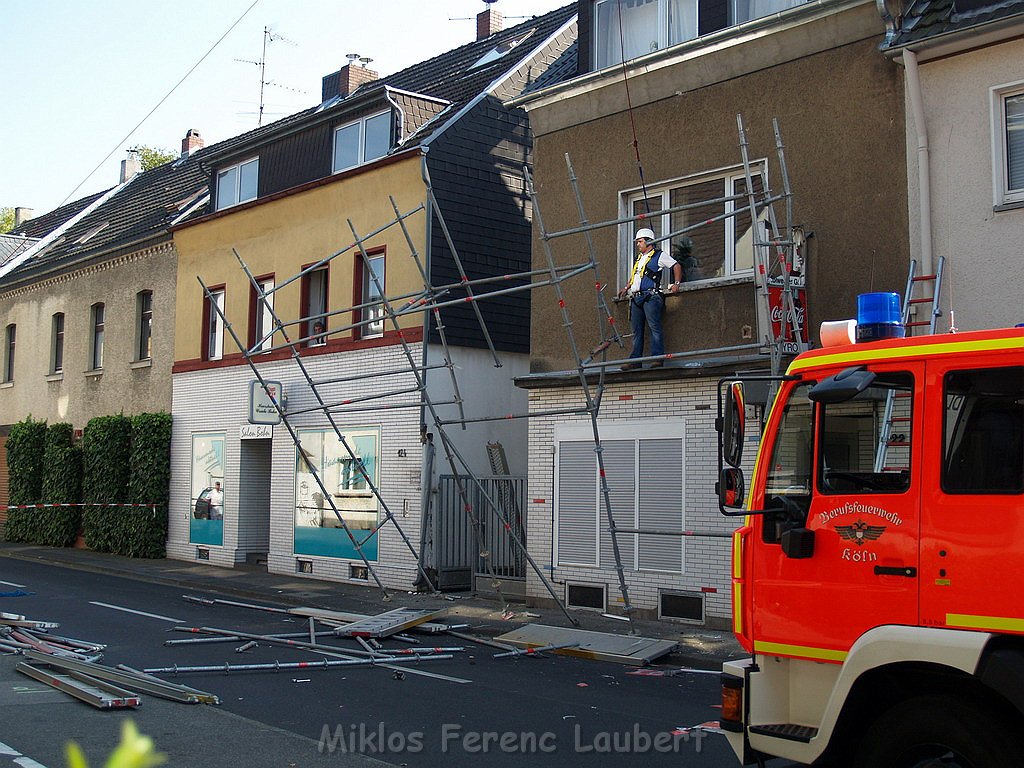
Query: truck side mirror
(732, 424)
(730, 487)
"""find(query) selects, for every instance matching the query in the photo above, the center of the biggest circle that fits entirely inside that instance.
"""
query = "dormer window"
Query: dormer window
(362, 141)
(238, 183)
(499, 50)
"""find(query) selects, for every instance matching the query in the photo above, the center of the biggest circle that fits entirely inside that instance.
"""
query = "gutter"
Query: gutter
(924, 184)
(44, 242)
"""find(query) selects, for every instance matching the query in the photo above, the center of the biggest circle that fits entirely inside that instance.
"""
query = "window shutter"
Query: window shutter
(575, 504)
(661, 504)
(620, 468)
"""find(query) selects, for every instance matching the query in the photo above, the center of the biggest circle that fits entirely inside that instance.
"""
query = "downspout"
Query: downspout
(427, 467)
(923, 172)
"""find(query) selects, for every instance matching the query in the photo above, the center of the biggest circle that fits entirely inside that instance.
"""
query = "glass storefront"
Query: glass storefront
(318, 531)
(206, 519)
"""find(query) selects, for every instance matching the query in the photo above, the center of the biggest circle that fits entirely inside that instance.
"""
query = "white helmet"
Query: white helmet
(645, 233)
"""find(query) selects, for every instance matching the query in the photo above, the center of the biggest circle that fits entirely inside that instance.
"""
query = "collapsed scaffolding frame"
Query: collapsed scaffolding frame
(590, 370)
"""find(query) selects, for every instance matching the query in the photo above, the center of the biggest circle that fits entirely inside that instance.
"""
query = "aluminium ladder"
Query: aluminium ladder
(886, 438)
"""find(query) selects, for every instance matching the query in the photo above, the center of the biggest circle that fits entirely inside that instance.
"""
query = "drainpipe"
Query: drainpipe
(923, 173)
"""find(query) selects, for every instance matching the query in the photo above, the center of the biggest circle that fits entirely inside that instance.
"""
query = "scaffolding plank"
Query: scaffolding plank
(341, 618)
(601, 646)
(138, 680)
(91, 690)
(388, 623)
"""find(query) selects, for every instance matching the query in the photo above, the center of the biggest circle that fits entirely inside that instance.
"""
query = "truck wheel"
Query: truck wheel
(940, 732)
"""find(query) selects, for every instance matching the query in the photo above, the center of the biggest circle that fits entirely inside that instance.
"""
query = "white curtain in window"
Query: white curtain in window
(1015, 142)
(682, 21)
(745, 10)
(640, 30)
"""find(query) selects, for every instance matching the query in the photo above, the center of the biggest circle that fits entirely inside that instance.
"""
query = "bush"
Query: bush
(26, 444)
(145, 534)
(106, 460)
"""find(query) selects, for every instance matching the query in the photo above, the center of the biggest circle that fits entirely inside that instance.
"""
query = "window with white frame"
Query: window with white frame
(262, 310)
(627, 29)
(238, 183)
(362, 141)
(712, 210)
(1008, 144)
(143, 325)
(213, 325)
(372, 296)
(98, 322)
(644, 469)
(314, 289)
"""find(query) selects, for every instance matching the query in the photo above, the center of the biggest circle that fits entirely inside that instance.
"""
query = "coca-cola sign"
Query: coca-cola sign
(782, 328)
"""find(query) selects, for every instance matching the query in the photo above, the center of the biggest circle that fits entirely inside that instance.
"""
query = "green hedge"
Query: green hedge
(106, 456)
(120, 460)
(149, 483)
(26, 446)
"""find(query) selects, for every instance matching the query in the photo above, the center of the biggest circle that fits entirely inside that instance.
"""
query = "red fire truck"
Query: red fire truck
(878, 576)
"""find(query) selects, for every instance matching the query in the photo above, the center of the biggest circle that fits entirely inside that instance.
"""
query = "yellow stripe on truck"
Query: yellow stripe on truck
(995, 623)
(907, 352)
(805, 651)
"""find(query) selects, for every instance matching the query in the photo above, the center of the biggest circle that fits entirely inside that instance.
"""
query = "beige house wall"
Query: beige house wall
(124, 384)
(982, 247)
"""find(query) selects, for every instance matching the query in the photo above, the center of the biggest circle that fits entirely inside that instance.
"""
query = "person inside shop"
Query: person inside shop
(216, 502)
(646, 297)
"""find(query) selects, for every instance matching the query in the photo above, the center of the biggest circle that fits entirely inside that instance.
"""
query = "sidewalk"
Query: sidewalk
(698, 647)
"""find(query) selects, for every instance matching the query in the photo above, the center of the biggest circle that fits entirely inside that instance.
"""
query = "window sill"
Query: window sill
(6, 384)
(138, 364)
(1016, 205)
(700, 285)
(59, 376)
(94, 374)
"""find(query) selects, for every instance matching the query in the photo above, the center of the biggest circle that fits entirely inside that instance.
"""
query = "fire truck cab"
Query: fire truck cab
(878, 576)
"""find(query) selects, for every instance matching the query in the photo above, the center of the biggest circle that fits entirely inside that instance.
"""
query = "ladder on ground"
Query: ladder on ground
(887, 436)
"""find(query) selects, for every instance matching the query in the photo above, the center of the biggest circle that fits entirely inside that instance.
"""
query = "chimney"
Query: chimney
(348, 78)
(21, 215)
(130, 165)
(488, 21)
(191, 142)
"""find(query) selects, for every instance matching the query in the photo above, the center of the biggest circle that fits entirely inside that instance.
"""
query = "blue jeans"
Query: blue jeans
(644, 315)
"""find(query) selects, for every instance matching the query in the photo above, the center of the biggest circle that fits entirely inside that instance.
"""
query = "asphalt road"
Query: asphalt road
(475, 710)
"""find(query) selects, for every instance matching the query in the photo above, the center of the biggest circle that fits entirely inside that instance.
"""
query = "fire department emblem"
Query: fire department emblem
(860, 532)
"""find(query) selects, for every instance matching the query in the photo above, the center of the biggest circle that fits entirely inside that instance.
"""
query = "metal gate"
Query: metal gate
(458, 559)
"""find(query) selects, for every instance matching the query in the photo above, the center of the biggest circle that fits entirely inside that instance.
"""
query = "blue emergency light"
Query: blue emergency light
(878, 317)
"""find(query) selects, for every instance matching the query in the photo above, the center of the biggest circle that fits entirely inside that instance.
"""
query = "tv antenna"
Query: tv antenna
(268, 37)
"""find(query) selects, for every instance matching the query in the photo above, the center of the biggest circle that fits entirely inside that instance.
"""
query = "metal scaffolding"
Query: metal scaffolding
(591, 367)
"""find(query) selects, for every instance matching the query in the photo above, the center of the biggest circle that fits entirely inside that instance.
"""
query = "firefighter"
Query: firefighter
(646, 300)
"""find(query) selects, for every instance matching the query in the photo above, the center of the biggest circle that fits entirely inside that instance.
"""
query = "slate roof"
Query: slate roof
(562, 69)
(137, 215)
(450, 76)
(12, 245)
(42, 225)
(927, 19)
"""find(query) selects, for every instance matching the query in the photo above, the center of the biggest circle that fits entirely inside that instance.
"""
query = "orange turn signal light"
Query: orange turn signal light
(732, 703)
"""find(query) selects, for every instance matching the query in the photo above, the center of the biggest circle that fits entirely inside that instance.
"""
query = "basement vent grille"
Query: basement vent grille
(589, 596)
(358, 572)
(202, 554)
(682, 606)
(303, 566)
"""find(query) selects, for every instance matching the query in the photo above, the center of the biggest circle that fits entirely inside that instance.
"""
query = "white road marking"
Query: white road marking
(137, 613)
(20, 759)
(12, 584)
